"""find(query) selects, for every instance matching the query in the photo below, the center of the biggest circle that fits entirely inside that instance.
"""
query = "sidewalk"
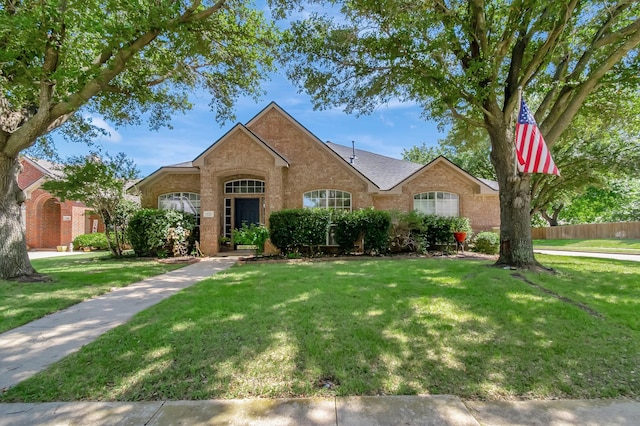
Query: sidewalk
(28, 349)
(615, 256)
(440, 410)
(34, 346)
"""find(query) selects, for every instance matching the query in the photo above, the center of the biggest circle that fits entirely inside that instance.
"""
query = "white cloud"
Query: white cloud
(112, 134)
(386, 121)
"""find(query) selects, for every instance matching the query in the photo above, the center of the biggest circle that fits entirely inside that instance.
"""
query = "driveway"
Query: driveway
(616, 256)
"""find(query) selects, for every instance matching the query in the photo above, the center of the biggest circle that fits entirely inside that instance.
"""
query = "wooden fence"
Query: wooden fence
(588, 231)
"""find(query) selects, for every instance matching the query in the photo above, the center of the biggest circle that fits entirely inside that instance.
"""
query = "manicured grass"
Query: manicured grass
(75, 278)
(369, 327)
(603, 246)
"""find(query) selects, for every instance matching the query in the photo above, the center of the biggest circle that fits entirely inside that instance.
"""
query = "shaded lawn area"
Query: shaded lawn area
(75, 278)
(369, 327)
(626, 246)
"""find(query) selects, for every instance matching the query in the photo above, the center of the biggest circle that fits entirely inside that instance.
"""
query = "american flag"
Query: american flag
(533, 154)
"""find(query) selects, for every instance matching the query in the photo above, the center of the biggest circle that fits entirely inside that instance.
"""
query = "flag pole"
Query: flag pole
(517, 112)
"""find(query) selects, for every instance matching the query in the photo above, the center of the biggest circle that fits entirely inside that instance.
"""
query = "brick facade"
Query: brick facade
(47, 221)
(276, 149)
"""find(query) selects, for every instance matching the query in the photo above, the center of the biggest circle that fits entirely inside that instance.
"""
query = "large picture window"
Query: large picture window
(188, 202)
(438, 203)
(327, 199)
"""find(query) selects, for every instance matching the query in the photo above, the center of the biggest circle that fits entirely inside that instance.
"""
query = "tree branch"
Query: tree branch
(542, 53)
(565, 114)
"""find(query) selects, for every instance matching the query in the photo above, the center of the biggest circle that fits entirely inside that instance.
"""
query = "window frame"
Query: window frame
(195, 206)
(243, 187)
(439, 199)
(327, 199)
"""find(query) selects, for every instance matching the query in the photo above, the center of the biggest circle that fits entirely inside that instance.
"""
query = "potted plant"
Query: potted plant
(252, 237)
(224, 241)
(460, 226)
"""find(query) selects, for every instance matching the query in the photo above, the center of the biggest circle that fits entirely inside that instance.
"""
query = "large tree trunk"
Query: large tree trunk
(14, 260)
(516, 247)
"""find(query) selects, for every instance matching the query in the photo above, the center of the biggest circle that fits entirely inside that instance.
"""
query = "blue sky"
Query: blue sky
(387, 131)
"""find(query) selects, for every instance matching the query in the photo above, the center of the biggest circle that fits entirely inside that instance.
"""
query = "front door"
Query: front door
(247, 210)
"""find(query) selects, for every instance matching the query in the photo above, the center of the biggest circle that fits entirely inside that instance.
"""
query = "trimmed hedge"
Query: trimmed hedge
(415, 231)
(154, 232)
(293, 229)
(97, 240)
(296, 229)
(487, 243)
(370, 224)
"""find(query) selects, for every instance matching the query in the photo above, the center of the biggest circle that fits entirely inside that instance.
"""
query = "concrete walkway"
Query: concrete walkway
(32, 347)
(441, 410)
(615, 256)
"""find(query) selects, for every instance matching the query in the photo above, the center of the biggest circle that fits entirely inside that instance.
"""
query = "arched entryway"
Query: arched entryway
(243, 203)
(50, 223)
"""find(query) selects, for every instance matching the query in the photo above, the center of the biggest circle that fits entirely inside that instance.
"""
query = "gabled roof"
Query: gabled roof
(485, 186)
(381, 173)
(280, 160)
(386, 172)
(48, 170)
(185, 168)
(46, 167)
(389, 173)
(372, 186)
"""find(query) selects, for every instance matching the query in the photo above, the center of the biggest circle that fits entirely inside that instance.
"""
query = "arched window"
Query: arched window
(188, 202)
(327, 199)
(244, 186)
(438, 203)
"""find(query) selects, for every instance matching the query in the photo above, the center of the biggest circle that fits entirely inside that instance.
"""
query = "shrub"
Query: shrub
(487, 242)
(252, 235)
(405, 231)
(96, 240)
(154, 232)
(373, 225)
(436, 231)
(293, 229)
(460, 224)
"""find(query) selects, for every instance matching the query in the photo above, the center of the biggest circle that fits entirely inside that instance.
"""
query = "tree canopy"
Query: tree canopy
(465, 60)
(100, 182)
(123, 60)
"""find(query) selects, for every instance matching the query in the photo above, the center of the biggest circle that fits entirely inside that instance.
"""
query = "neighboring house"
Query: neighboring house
(273, 163)
(47, 221)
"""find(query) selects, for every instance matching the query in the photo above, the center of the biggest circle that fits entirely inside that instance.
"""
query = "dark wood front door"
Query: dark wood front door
(247, 210)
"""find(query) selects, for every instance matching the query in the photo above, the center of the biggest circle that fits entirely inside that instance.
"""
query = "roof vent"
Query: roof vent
(353, 157)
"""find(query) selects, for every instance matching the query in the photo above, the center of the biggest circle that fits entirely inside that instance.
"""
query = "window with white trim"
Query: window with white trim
(327, 199)
(188, 202)
(244, 186)
(438, 203)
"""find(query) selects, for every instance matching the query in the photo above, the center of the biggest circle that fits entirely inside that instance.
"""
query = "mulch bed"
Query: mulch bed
(186, 260)
(327, 258)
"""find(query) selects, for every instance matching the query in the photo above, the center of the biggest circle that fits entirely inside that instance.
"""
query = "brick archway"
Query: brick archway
(49, 225)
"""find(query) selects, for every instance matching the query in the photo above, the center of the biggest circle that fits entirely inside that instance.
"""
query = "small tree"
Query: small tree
(100, 183)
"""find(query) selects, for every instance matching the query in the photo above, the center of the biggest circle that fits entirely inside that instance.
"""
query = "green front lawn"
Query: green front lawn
(74, 279)
(370, 327)
(602, 246)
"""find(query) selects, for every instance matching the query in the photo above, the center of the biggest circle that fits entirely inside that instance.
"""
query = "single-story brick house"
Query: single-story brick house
(47, 221)
(273, 162)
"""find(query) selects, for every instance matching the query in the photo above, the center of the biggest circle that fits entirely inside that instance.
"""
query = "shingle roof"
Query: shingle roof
(185, 164)
(385, 172)
(490, 183)
(51, 169)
